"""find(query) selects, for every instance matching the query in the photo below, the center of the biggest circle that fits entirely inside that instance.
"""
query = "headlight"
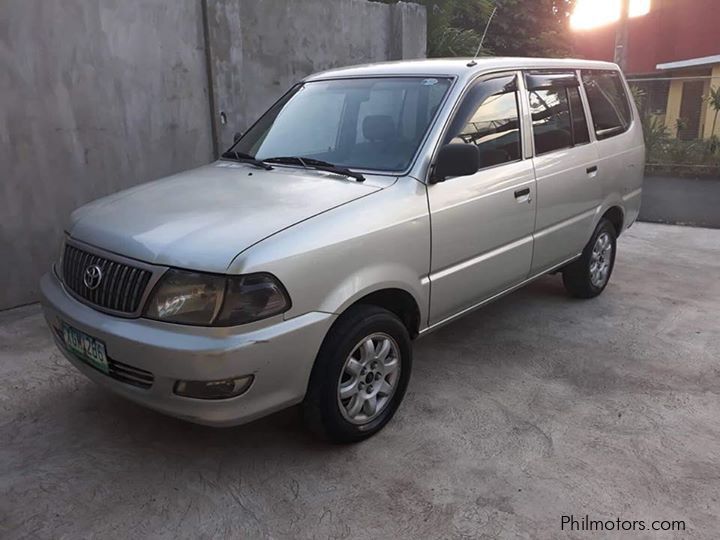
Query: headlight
(213, 300)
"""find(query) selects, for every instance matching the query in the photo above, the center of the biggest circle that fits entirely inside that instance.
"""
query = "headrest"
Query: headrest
(378, 127)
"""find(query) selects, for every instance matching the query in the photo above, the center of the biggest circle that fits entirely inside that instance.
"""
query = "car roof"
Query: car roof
(456, 67)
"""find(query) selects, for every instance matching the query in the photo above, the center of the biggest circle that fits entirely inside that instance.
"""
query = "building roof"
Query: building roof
(456, 67)
(692, 62)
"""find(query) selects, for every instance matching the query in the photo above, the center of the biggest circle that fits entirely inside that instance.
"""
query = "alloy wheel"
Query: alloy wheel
(600, 260)
(369, 378)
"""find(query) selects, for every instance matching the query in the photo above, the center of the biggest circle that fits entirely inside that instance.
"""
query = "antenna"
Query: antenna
(482, 39)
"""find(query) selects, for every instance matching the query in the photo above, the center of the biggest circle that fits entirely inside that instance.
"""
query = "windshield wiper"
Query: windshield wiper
(317, 164)
(246, 158)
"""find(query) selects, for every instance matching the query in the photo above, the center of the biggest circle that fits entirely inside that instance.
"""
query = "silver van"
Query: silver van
(367, 207)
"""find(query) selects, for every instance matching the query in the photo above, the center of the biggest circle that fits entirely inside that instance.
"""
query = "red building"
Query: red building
(677, 44)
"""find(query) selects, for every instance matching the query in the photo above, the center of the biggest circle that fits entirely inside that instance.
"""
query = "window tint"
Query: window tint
(577, 113)
(558, 118)
(489, 119)
(608, 102)
(550, 113)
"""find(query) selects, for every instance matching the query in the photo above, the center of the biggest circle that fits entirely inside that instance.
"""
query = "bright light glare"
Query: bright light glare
(593, 13)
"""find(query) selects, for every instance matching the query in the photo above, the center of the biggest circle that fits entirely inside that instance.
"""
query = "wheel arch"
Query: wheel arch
(615, 215)
(392, 297)
(397, 301)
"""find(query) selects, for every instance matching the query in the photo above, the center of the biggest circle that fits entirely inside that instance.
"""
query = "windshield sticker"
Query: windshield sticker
(429, 82)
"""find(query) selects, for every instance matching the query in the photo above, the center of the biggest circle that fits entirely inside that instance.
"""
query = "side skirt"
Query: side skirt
(470, 309)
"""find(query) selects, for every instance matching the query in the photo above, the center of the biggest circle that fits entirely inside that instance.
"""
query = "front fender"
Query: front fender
(377, 278)
(328, 262)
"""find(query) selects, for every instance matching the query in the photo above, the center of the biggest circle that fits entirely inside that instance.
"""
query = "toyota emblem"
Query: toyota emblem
(92, 277)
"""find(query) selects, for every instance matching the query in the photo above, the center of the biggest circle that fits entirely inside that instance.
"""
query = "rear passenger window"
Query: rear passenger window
(552, 128)
(557, 112)
(577, 113)
(608, 102)
(489, 119)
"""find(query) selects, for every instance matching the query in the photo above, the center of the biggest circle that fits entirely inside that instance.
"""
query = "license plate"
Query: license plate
(87, 348)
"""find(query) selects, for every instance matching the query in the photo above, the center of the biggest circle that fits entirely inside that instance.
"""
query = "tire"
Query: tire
(588, 276)
(337, 418)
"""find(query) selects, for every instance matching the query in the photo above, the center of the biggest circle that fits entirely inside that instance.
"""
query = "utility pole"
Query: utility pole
(621, 35)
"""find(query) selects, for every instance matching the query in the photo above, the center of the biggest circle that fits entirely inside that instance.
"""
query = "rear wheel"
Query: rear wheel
(588, 276)
(360, 375)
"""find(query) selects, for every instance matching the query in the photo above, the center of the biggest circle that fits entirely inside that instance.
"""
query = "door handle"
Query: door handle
(522, 195)
(592, 171)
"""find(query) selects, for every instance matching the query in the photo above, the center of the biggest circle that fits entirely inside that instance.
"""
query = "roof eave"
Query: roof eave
(690, 63)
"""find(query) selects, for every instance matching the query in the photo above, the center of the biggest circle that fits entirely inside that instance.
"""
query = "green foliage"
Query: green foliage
(655, 133)
(451, 41)
(639, 95)
(695, 159)
(455, 26)
(675, 157)
(519, 28)
(536, 28)
(654, 130)
(713, 99)
(681, 124)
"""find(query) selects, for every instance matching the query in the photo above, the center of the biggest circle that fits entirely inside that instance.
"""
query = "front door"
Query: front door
(482, 224)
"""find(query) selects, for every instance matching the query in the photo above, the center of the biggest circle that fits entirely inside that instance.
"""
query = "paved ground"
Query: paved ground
(535, 407)
(683, 201)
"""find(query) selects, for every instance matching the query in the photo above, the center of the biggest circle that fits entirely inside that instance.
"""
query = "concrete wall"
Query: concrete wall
(259, 48)
(100, 95)
(96, 96)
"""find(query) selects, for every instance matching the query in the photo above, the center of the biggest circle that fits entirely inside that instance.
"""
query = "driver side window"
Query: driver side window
(489, 118)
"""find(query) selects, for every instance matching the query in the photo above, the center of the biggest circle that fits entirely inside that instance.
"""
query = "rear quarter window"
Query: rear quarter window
(608, 102)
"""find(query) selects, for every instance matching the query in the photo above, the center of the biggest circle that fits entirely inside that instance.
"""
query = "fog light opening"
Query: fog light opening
(224, 389)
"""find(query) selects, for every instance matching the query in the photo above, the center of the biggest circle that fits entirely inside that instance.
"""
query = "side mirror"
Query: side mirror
(237, 136)
(456, 160)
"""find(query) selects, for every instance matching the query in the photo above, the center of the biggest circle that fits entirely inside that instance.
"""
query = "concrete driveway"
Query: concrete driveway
(536, 407)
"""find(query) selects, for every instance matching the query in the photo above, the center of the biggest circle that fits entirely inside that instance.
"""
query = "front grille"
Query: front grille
(121, 287)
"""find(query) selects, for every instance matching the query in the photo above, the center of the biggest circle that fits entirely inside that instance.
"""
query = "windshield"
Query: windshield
(373, 124)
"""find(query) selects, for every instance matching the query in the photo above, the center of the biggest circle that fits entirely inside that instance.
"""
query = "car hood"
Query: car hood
(203, 218)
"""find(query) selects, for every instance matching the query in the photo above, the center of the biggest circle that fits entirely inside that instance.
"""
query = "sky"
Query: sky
(593, 13)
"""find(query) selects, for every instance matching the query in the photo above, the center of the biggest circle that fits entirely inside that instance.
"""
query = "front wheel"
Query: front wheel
(588, 276)
(360, 375)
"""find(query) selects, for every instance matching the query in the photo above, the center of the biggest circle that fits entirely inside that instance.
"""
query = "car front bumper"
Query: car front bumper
(280, 356)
